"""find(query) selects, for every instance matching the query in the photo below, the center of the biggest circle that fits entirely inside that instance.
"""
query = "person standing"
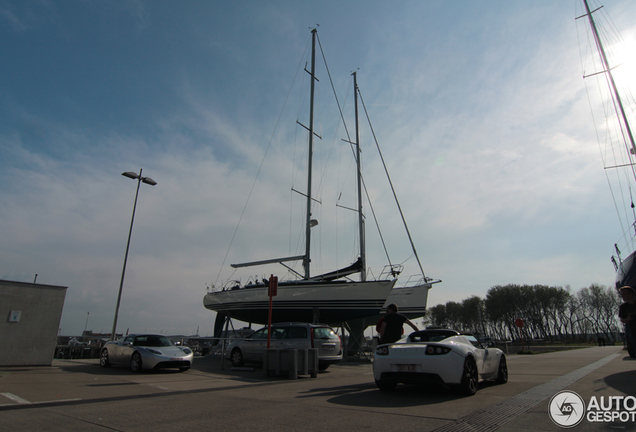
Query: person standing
(391, 329)
(627, 315)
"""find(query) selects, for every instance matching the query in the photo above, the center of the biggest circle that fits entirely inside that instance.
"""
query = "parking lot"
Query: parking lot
(78, 395)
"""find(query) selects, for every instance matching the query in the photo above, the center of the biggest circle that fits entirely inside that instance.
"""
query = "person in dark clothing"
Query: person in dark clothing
(391, 330)
(627, 315)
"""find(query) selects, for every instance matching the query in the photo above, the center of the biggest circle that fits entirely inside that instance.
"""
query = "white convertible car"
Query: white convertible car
(146, 351)
(443, 356)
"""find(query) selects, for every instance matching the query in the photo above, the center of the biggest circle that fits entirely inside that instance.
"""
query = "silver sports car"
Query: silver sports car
(146, 351)
(443, 356)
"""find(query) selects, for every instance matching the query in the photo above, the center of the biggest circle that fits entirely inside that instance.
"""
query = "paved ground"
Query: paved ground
(77, 395)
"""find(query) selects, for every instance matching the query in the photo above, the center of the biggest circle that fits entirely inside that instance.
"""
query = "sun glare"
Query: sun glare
(622, 58)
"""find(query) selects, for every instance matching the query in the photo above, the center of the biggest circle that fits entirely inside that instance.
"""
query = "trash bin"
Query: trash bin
(291, 362)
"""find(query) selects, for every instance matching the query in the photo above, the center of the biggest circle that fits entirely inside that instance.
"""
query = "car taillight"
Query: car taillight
(312, 337)
(437, 350)
(382, 350)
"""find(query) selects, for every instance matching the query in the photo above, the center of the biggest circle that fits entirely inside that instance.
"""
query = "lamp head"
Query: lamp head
(131, 175)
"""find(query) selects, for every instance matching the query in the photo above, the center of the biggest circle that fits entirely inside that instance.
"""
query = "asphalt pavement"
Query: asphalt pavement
(78, 395)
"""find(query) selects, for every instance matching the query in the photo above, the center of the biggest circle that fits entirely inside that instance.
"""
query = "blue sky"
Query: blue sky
(480, 109)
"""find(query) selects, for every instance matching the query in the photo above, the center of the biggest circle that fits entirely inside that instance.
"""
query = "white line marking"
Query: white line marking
(158, 386)
(39, 403)
(15, 398)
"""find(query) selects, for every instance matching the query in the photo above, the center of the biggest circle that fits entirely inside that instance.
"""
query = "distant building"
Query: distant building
(31, 315)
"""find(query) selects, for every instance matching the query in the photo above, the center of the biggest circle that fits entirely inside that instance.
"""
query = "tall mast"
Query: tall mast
(306, 259)
(363, 259)
(606, 66)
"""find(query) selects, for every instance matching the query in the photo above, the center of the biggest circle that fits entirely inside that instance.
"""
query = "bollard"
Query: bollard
(293, 364)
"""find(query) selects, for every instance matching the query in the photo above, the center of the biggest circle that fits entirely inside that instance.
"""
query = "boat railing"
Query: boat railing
(419, 280)
(414, 280)
(391, 271)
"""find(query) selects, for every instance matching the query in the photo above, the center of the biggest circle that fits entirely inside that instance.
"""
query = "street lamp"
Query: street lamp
(139, 179)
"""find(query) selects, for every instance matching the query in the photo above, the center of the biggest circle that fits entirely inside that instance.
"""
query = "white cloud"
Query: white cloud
(483, 124)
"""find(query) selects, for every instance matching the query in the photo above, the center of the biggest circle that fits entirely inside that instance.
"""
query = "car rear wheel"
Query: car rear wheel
(385, 385)
(103, 359)
(470, 377)
(323, 366)
(237, 357)
(135, 362)
(502, 375)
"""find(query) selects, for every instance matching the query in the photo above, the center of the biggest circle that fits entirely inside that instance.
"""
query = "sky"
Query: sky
(479, 107)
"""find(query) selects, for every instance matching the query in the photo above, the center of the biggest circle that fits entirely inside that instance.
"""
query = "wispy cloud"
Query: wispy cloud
(481, 115)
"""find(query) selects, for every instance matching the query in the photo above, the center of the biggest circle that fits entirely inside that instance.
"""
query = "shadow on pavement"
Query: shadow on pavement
(624, 382)
(368, 395)
(93, 368)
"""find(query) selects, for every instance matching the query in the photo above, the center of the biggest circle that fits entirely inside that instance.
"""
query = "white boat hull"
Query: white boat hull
(411, 301)
(330, 303)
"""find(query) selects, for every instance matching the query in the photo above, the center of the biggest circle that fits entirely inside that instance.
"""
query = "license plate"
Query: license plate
(406, 368)
(176, 359)
(327, 348)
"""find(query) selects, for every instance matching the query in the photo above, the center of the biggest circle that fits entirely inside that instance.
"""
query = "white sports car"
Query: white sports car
(146, 351)
(443, 356)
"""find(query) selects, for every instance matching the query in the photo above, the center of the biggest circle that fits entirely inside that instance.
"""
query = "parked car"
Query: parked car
(442, 356)
(288, 336)
(146, 351)
(486, 341)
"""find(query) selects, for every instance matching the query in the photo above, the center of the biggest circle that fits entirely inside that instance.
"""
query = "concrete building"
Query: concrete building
(31, 317)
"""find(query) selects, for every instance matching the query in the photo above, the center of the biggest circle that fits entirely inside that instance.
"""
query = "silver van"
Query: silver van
(288, 336)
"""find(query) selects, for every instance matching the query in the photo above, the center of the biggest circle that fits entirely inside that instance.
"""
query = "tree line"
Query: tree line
(548, 312)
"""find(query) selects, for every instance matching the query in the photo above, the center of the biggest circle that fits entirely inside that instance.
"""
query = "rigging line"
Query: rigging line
(598, 139)
(375, 218)
(260, 167)
(366, 192)
(615, 101)
(333, 87)
(377, 224)
(590, 55)
(633, 209)
(296, 173)
(618, 106)
(392, 188)
(341, 120)
(341, 182)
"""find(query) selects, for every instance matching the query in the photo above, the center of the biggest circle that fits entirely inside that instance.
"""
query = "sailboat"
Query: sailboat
(331, 298)
(622, 158)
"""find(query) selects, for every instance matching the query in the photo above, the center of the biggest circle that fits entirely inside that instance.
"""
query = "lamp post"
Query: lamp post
(139, 179)
(85, 327)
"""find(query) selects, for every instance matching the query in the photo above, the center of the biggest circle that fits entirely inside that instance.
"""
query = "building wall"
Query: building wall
(30, 316)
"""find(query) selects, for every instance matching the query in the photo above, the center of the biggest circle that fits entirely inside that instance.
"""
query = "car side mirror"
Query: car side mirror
(127, 344)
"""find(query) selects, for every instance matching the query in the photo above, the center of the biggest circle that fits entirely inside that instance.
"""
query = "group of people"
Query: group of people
(391, 326)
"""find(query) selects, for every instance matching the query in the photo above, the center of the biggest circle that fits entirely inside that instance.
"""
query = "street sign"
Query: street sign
(273, 286)
(272, 290)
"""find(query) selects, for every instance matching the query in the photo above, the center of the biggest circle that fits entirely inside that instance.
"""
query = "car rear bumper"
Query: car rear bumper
(442, 368)
(411, 377)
